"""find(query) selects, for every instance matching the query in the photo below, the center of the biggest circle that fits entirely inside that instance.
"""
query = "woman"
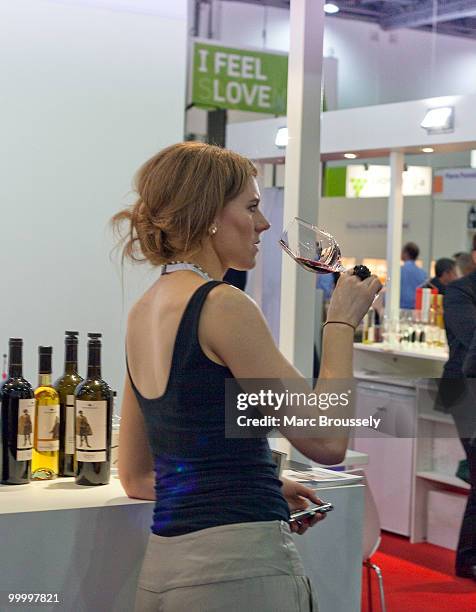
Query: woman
(220, 537)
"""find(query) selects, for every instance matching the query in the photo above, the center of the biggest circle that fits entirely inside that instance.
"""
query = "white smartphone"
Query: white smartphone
(311, 511)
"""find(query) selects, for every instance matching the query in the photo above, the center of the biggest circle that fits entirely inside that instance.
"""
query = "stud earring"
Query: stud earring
(213, 230)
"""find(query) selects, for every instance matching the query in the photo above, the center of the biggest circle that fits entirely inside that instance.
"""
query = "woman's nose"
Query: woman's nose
(263, 224)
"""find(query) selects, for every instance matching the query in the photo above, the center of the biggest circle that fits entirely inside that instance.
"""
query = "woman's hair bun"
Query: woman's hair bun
(180, 191)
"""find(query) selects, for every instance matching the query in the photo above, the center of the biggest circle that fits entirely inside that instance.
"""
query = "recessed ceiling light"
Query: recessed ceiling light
(350, 155)
(427, 150)
(439, 120)
(281, 139)
(330, 8)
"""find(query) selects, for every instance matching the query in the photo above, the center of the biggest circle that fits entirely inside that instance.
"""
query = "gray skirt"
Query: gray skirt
(245, 566)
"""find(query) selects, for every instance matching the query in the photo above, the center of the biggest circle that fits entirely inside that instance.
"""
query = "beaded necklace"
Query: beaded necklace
(175, 266)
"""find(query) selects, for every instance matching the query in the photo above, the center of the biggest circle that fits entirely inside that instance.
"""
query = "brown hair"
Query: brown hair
(181, 190)
(412, 250)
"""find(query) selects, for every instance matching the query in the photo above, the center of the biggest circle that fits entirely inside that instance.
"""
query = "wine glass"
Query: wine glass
(311, 247)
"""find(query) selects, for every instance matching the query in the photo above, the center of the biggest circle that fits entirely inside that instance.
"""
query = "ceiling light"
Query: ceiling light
(281, 139)
(438, 120)
(330, 8)
(350, 155)
(427, 150)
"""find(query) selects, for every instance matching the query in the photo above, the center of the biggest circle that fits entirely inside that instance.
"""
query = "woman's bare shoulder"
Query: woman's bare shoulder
(231, 314)
(229, 299)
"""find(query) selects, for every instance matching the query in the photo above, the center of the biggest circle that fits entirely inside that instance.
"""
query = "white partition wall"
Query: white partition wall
(90, 90)
(264, 283)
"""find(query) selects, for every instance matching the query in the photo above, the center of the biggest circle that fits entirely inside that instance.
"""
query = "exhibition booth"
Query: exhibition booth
(412, 476)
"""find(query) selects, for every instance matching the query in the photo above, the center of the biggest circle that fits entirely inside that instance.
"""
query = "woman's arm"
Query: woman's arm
(136, 467)
(233, 328)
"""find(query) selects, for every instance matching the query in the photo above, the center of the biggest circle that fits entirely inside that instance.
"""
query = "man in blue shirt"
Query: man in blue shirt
(411, 276)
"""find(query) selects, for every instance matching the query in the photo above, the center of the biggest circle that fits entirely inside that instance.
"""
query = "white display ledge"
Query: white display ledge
(62, 494)
(381, 347)
(92, 528)
(390, 379)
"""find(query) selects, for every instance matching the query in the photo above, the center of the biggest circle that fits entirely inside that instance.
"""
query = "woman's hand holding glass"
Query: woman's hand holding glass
(352, 298)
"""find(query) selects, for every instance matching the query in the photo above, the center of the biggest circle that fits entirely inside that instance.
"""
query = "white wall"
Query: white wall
(450, 232)
(88, 94)
(336, 213)
(375, 67)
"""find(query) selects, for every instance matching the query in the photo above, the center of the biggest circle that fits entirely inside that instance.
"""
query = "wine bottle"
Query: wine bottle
(93, 421)
(440, 321)
(66, 386)
(17, 407)
(45, 461)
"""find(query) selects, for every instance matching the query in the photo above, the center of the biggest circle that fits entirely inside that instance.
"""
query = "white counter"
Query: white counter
(415, 353)
(402, 471)
(62, 494)
(87, 545)
(399, 362)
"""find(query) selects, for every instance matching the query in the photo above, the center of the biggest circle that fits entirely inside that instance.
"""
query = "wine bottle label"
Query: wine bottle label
(26, 429)
(69, 426)
(91, 426)
(48, 428)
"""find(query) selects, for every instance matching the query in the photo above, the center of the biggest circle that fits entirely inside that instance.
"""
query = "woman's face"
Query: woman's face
(239, 227)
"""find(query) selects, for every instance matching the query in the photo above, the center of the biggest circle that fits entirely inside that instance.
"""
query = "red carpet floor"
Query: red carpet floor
(418, 578)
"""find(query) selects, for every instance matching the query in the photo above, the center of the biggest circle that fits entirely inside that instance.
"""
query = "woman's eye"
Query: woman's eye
(253, 208)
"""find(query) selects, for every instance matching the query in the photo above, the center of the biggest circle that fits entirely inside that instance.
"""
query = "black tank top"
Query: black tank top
(202, 478)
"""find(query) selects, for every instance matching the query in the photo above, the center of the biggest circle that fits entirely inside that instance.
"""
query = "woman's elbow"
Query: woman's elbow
(127, 484)
(326, 452)
(331, 456)
(138, 486)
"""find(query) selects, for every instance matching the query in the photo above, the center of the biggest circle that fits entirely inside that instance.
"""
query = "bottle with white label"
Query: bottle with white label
(45, 461)
(17, 408)
(66, 386)
(93, 410)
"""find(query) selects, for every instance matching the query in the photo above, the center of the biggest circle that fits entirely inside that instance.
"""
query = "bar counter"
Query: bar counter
(87, 543)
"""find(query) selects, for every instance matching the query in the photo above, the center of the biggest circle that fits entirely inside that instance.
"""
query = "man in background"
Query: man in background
(445, 273)
(465, 263)
(411, 276)
(457, 393)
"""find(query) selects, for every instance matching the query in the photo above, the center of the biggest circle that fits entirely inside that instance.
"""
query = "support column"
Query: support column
(302, 190)
(394, 236)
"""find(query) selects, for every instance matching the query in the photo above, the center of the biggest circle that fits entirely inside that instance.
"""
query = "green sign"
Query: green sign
(239, 79)
(334, 182)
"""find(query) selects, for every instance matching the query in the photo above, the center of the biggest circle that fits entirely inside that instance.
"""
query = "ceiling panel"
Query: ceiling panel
(453, 17)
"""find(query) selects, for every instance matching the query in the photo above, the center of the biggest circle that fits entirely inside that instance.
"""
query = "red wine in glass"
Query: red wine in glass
(312, 248)
(314, 266)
